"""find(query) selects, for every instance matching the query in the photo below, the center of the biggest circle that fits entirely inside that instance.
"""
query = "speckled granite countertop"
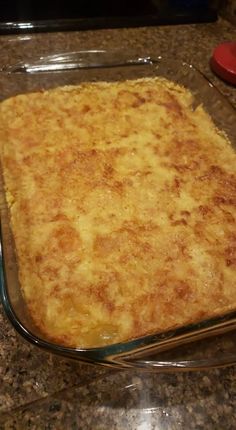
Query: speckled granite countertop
(39, 391)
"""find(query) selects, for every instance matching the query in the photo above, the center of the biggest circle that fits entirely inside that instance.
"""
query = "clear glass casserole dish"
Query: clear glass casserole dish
(74, 68)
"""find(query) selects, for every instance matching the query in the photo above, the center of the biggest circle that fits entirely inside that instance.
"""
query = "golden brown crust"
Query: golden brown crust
(123, 207)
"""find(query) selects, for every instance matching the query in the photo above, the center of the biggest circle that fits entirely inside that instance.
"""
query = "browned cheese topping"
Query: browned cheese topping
(123, 206)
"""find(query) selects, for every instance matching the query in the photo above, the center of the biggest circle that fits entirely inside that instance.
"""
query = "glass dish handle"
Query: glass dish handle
(179, 365)
(76, 60)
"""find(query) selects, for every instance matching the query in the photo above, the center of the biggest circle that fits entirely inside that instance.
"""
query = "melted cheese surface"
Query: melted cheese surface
(123, 206)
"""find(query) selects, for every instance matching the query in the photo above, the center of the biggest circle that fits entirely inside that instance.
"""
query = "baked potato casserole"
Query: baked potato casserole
(122, 201)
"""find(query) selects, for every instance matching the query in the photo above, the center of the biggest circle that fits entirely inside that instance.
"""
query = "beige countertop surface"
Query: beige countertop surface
(41, 391)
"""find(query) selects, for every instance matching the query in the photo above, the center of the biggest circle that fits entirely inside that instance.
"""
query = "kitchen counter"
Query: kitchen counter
(40, 391)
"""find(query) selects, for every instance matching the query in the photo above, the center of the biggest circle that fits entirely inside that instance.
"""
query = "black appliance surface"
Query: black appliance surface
(43, 15)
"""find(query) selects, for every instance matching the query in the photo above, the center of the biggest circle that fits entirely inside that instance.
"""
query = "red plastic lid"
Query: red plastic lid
(223, 61)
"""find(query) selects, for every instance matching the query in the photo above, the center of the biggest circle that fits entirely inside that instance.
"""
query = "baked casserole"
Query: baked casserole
(122, 201)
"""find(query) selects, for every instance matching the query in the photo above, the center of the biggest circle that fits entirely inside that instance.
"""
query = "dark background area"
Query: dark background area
(16, 10)
(38, 10)
(47, 15)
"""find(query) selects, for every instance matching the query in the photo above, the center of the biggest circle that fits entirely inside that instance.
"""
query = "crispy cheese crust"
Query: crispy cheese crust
(123, 205)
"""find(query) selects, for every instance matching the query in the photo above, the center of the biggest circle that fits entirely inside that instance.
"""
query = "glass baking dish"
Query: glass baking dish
(98, 65)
